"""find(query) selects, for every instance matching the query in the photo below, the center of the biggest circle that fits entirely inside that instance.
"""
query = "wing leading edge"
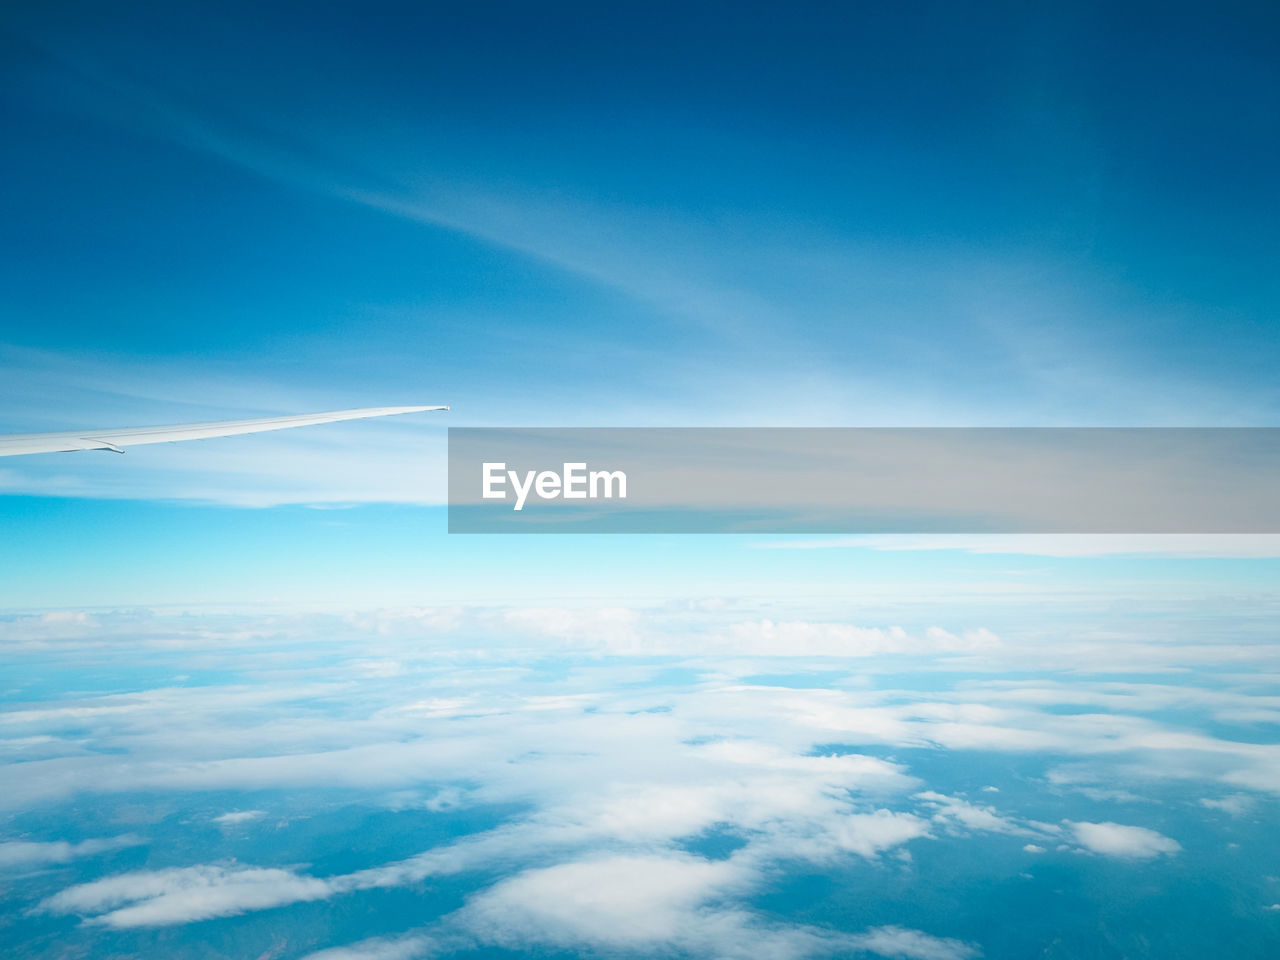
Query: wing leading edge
(116, 439)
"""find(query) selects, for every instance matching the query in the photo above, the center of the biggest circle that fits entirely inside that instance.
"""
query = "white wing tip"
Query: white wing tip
(130, 436)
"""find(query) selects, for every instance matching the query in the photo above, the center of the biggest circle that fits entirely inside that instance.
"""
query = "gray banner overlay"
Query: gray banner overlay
(864, 480)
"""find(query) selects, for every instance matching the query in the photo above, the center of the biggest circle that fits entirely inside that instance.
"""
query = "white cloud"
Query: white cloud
(959, 812)
(870, 834)
(379, 948)
(903, 944)
(239, 816)
(610, 628)
(152, 898)
(631, 901)
(1119, 840)
(618, 768)
(658, 904)
(1237, 805)
(25, 853)
(804, 638)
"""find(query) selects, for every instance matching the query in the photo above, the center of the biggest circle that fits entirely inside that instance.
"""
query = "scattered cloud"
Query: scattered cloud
(1119, 840)
(23, 853)
(618, 778)
(870, 834)
(640, 905)
(1237, 805)
(959, 813)
(239, 816)
(152, 898)
(408, 947)
(897, 942)
(636, 902)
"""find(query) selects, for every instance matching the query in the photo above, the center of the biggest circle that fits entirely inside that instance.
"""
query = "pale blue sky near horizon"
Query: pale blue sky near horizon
(651, 215)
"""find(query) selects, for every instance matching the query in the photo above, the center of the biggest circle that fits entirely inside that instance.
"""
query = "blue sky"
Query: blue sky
(662, 214)
(651, 215)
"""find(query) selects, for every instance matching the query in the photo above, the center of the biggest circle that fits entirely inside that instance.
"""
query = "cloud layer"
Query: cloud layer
(653, 800)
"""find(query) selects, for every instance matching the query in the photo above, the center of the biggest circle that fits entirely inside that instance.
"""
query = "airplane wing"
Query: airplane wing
(114, 439)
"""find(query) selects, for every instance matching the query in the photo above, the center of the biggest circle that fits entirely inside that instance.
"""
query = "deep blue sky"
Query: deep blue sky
(623, 214)
(1026, 213)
